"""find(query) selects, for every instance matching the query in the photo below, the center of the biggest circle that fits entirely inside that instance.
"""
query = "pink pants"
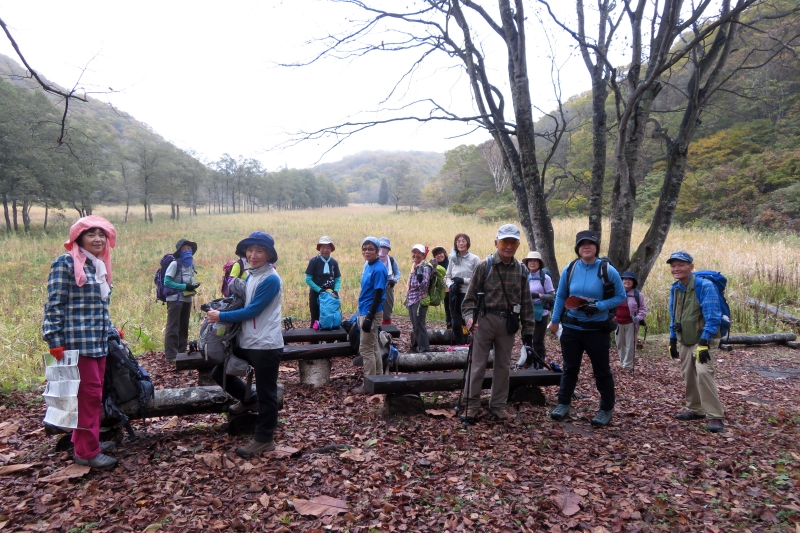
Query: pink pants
(90, 407)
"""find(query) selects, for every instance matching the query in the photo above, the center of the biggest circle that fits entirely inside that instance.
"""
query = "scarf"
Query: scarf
(327, 269)
(79, 259)
(186, 258)
(383, 255)
(100, 274)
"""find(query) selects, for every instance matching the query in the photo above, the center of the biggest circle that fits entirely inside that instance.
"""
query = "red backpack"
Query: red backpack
(226, 275)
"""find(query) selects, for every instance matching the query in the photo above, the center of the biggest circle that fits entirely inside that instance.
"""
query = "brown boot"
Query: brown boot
(254, 448)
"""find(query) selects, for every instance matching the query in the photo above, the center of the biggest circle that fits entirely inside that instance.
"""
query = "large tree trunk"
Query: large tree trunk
(26, 216)
(14, 213)
(5, 212)
(599, 149)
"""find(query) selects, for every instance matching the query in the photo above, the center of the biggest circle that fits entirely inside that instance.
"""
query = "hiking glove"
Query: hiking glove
(673, 348)
(58, 353)
(703, 355)
(390, 283)
(589, 309)
(458, 281)
(366, 326)
(192, 286)
(527, 340)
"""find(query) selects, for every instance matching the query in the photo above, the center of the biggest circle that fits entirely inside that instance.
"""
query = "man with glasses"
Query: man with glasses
(504, 282)
(370, 302)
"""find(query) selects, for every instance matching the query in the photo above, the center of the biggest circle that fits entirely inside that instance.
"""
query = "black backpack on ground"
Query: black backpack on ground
(124, 381)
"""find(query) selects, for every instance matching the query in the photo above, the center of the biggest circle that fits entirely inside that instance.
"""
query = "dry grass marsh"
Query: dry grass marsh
(757, 265)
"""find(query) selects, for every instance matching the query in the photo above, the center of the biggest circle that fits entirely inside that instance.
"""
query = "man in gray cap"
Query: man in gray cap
(694, 333)
(504, 282)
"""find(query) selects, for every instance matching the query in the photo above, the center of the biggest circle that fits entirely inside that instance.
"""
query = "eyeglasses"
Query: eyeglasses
(369, 249)
(510, 242)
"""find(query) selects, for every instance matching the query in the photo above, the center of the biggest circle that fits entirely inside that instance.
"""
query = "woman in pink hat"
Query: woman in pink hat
(76, 317)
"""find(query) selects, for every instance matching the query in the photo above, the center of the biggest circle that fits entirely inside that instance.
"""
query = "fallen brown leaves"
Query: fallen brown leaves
(646, 472)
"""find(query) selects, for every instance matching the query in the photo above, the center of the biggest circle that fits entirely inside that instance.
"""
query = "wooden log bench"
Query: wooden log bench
(182, 402)
(787, 339)
(402, 390)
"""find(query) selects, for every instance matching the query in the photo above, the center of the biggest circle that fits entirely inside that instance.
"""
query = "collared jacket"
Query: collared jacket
(261, 314)
(585, 282)
(461, 266)
(514, 278)
(706, 319)
(75, 317)
(418, 283)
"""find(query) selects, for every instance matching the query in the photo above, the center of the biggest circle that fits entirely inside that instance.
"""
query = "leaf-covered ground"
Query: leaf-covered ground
(646, 472)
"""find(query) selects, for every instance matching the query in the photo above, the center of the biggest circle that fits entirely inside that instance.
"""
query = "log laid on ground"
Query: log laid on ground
(430, 361)
(442, 337)
(315, 373)
(726, 347)
(760, 339)
(792, 344)
(448, 381)
(179, 402)
(771, 309)
(195, 360)
(312, 335)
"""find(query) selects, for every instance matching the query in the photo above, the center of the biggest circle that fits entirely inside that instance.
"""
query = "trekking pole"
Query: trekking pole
(466, 383)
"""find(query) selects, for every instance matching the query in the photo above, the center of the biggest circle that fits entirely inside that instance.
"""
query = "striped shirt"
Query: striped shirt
(75, 317)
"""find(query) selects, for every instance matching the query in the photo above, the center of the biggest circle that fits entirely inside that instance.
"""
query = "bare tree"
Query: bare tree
(494, 162)
(448, 27)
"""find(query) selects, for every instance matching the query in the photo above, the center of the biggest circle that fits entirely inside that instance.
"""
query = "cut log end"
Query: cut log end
(315, 373)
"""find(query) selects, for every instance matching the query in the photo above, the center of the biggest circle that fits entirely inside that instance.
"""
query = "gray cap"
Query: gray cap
(507, 231)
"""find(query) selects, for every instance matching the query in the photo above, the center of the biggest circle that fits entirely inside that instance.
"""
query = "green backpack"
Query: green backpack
(436, 287)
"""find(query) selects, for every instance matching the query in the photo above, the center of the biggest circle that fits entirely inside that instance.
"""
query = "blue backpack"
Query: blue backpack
(720, 282)
(330, 311)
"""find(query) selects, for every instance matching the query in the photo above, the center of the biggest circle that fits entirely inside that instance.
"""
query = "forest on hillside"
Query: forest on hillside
(106, 156)
(743, 166)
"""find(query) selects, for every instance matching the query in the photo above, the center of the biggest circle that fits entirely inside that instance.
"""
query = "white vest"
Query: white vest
(264, 331)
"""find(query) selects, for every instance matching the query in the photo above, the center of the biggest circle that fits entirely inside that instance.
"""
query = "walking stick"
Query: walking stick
(466, 383)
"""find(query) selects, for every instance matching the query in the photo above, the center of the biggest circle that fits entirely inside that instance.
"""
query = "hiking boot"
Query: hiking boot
(500, 413)
(474, 415)
(99, 461)
(715, 425)
(107, 445)
(601, 419)
(358, 360)
(254, 448)
(560, 412)
(359, 390)
(241, 407)
(688, 415)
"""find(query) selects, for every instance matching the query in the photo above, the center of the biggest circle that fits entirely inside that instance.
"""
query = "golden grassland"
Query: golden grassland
(758, 265)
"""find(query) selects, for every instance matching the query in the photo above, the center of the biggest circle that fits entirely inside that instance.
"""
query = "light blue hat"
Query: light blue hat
(373, 240)
(384, 243)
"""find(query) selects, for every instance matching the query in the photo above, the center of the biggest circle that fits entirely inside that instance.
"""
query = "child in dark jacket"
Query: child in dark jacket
(322, 274)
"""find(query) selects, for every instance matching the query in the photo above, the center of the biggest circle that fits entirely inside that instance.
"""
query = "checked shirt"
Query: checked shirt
(75, 317)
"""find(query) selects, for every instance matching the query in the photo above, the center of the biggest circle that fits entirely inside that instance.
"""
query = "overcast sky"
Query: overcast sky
(204, 74)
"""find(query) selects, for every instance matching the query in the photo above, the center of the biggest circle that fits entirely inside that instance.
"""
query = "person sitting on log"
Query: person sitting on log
(322, 274)
(696, 314)
(418, 282)
(370, 302)
(260, 343)
(460, 267)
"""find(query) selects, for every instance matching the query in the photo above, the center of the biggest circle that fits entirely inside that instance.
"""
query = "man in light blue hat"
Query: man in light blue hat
(370, 303)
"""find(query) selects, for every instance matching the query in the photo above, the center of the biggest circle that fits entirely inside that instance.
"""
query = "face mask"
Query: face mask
(186, 258)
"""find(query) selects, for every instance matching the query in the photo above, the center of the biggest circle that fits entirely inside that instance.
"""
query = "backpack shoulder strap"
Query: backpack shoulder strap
(488, 269)
(570, 269)
(638, 296)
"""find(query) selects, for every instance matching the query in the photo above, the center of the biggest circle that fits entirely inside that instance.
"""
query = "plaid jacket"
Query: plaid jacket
(75, 317)
(515, 279)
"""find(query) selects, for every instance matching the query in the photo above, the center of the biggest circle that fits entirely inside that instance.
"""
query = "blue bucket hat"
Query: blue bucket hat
(373, 240)
(383, 242)
(258, 238)
(680, 255)
(630, 275)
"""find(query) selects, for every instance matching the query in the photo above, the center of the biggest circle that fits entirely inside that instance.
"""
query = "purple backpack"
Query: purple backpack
(162, 291)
